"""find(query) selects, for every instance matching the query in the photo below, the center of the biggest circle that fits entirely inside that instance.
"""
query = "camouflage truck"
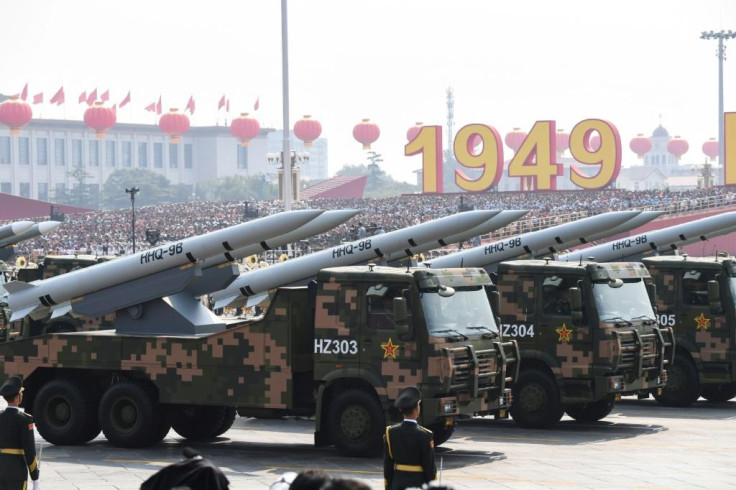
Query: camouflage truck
(696, 297)
(339, 349)
(587, 334)
(52, 265)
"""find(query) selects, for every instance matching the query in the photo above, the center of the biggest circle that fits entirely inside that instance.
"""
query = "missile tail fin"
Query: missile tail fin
(15, 286)
(61, 311)
(22, 313)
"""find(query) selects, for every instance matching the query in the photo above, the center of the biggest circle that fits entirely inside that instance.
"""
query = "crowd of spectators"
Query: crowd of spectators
(109, 232)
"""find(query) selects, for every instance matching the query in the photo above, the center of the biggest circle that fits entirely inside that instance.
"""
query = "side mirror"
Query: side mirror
(714, 297)
(401, 316)
(576, 304)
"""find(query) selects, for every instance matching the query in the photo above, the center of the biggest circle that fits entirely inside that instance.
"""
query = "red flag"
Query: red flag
(190, 104)
(125, 100)
(38, 98)
(83, 97)
(92, 97)
(24, 93)
(227, 106)
(257, 104)
(221, 104)
(158, 106)
(58, 97)
(105, 96)
(151, 107)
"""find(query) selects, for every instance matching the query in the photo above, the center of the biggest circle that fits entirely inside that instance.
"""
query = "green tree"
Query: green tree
(154, 188)
(238, 187)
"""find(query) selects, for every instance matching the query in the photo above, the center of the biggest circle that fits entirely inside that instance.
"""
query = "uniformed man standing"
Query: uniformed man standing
(17, 446)
(408, 448)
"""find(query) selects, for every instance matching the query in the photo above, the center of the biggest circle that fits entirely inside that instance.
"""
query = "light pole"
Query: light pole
(133, 191)
(721, 54)
(296, 158)
(285, 95)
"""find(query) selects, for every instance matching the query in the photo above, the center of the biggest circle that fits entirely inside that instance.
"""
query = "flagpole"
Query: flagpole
(286, 155)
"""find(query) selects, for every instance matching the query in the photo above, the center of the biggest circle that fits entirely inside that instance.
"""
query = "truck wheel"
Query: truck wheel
(356, 423)
(718, 393)
(228, 421)
(130, 415)
(65, 413)
(200, 422)
(536, 400)
(593, 411)
(441, 432)
(683, 387)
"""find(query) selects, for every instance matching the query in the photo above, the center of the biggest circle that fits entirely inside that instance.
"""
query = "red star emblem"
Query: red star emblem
(564, 333)
(389, 349)
(702, 322)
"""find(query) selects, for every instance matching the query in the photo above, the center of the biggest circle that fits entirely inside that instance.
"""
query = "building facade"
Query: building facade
(45, 159)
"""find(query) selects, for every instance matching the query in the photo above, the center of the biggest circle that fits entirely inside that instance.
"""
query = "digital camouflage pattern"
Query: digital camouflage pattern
(584, 354)
(311, 344)
(51, 266)
(703, 325)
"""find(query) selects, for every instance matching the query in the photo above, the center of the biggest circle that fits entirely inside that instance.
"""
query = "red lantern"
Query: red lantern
(562, 141)
(100, 118)
(174, 123)
(640, 145)
(307, 130)
(413, 131)
(15, 113)
(710, 148)
(366, 132)
(677, 147)
(245, 128)
(515, 138)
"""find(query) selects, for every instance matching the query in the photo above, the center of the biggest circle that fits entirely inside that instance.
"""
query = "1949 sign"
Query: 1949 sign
(533, 162)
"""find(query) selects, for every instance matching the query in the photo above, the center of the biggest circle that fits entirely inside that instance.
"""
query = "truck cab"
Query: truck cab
(696, 299)
(587, 334)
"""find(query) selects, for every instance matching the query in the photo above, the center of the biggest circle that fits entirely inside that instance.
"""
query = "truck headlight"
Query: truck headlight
(617, 383)
(448, 406)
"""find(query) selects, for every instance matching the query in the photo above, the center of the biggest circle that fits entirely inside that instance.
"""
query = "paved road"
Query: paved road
(640, 445)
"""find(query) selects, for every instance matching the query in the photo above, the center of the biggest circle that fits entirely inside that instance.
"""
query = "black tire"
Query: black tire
(130, 415)
(592, 411)
(59, 327)
(200, 422)
(228, 421)
(65, 413)
(718, 393)
(441, 433)
(683, 386)
(356, 423)
(536, 400)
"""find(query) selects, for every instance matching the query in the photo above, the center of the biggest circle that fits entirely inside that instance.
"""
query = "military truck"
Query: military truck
(695, 296)
(339, 349)
(587, 334)
(52, 265)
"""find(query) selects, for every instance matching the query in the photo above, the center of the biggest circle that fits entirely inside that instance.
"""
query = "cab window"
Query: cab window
(380, 306)
(556, 295)
(695, 287)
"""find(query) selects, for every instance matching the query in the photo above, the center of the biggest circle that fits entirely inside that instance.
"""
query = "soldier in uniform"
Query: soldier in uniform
(17, 446)
(408, 448)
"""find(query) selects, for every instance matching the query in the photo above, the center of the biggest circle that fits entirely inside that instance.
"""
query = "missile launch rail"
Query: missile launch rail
(339, 349)
(587, 335)
(697, 297)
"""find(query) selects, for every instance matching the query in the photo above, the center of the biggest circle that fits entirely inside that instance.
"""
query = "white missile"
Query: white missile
(656, 241)
(14, 229)
(531, 243)
(35, 230)
(641, 219)
(377, 246)
(25, 298)
(499, 221)
(322, 223)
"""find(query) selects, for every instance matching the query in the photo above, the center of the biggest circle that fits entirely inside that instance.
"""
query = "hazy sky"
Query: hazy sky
(510, 63)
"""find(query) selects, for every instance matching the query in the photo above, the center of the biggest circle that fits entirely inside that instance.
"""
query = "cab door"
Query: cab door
(711, 335)
(395, 357)
(337, 326)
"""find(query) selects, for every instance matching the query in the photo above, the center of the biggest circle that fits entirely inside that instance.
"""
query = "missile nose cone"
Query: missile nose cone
(47, 226)
(21, 226)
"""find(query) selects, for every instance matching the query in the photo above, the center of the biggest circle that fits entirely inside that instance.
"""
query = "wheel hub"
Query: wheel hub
(355, 423)
(532, 398)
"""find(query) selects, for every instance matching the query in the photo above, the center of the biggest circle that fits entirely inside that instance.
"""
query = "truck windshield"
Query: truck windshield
(627, 302)
(465, 313)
